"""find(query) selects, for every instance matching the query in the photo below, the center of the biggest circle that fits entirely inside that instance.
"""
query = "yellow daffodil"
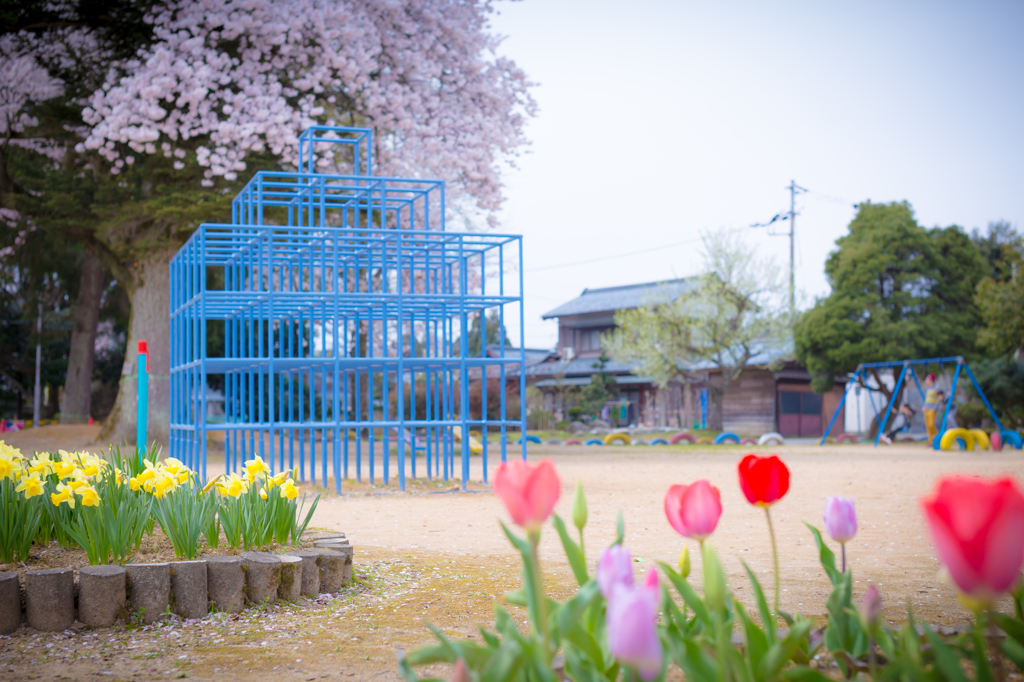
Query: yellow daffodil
(263, 493)
(10, 451)
(10, 462)
(90, 469)
(163, 484)
(134, 484)
(212, 482)
(90, 498)
(64, 468)
(64, 494)
(76, 483)
(174, 466)
(31, 486)
(279, 479)
(233, 486)
(255, 467)
(41, 464)
(289, 489)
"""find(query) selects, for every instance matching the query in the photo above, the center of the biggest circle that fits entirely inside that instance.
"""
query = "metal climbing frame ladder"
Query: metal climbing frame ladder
(336, 312)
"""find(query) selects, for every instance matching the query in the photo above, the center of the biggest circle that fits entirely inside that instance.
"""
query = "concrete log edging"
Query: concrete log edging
(190, 589)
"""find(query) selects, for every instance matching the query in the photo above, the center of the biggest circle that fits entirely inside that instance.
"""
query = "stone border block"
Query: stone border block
(101, 594)
(291, 577)
(262, 577)
(149, 590)
(10, 602)
(50, 599)
(225, 582)
(332, 571)
(310, 571)
(188, 585)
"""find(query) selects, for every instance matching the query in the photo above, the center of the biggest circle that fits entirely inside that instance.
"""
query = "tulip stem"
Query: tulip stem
(993, 645)
(775, 557)
(843, 545)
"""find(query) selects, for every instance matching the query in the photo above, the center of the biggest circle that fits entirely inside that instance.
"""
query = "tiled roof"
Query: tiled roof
(621, 298)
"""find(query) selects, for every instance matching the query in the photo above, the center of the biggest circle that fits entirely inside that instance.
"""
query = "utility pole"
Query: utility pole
(791, 217)
(38, 393)
(793, 189)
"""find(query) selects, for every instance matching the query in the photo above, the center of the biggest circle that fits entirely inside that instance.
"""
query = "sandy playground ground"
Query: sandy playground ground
(436, 535)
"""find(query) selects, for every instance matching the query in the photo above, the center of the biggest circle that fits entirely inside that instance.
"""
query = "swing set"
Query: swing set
(1007, 436)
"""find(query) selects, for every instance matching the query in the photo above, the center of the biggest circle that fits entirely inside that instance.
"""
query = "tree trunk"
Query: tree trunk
(75, 407)
(716, 397)
(150, 322)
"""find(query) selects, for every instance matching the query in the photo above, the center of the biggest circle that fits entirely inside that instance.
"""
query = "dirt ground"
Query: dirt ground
(435, 554)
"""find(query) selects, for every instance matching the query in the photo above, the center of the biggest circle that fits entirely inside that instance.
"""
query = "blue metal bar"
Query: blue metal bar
(981, 393)
(888, 411)
(335, 318)
(949, 400)
(842, 401)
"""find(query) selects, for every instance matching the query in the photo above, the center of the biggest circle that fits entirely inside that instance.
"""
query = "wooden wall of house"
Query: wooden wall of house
(748, 407)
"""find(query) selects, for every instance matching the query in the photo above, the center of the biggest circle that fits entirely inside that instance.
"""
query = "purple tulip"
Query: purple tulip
(841, 521)
(632, 626)
(615, 567)
(871, 606)
(840, 518)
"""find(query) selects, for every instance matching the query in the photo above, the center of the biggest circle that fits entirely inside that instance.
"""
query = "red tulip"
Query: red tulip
(978, 529)
(529, 491)
(693, 510)
(764, 480)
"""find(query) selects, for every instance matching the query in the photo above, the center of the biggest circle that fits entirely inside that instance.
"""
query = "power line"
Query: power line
(625, 255)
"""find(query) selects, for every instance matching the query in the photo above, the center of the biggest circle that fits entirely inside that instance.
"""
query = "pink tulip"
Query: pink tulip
(693, 510)
(978, 529)
(461, 672)
(614, 568)
(529, 491)
(632, 626)
(840, 518)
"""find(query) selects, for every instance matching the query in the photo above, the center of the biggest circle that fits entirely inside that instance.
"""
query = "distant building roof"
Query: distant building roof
(622, 298)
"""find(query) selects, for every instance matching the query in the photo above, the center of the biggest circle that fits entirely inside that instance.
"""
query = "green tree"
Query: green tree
(600, 390)
(734, 311)
(898, 291)
(494, 333)
(1000, 296)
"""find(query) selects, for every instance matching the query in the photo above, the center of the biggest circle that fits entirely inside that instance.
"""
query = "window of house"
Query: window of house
(590, 339)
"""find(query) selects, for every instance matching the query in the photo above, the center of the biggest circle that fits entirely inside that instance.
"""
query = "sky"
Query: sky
(662, 120)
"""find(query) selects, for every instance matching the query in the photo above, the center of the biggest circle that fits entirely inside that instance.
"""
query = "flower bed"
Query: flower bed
(613, 628)
(105, 505)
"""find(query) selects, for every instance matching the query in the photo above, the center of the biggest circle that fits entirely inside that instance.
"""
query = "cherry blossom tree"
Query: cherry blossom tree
(224, 87)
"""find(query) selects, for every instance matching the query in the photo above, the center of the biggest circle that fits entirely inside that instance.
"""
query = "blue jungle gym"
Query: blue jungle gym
(1008, 437)
(345, 309)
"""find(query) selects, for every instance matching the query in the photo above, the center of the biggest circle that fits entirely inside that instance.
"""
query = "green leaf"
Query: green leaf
(620, 528)
(573, 552)
(1011, 626)
(762, 605)
(516, 597)
(689, 595)
(756, 640)
(946, 659)
(825, 556)
(1015, 652)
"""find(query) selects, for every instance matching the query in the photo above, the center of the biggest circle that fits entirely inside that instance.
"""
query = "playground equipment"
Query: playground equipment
(617, 438)
(594, 441)
(771, 438)
(906, 365)
(721, 438)
(681, 436)
(344, 307)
